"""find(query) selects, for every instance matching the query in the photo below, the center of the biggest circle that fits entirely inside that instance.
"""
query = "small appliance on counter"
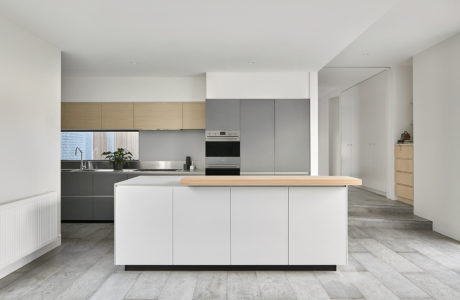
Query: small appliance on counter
(188, 163)
(222, 152)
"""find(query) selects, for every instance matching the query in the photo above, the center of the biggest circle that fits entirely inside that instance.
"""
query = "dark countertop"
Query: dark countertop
(135, 172)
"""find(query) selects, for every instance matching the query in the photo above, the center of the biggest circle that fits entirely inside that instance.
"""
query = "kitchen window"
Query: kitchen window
(94, 143)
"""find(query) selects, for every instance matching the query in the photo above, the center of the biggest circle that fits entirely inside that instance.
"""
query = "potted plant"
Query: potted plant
(118, 158)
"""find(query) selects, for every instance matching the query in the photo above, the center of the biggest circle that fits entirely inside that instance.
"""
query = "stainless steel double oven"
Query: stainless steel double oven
(222, 152)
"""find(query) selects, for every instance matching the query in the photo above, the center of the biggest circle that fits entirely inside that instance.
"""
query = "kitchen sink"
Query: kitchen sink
(158, 170)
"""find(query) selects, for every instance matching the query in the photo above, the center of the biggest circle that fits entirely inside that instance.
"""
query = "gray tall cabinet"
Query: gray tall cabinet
(275, 136)
(292, 135)
(257, 136)
(223, 114)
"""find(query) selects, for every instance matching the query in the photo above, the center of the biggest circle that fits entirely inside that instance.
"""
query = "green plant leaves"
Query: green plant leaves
(120, 155)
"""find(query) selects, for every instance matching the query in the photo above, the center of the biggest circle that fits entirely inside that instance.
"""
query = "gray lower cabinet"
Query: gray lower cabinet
(74, 208)
(88, 196)
(103, 183)
(103, 208)
(292, 135)
(257, 136)
(222, 114)
(76, 184)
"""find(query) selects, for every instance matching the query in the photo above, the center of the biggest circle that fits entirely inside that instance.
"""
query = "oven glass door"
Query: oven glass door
(222, 149)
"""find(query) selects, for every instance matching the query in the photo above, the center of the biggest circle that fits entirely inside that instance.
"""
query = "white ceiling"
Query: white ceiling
(410, 27)
(172, 37)
(333, 81)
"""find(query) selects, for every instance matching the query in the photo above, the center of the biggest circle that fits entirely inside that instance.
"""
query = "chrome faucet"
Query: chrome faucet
(81, 157)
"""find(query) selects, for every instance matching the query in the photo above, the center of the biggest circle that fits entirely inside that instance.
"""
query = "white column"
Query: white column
(314, 123)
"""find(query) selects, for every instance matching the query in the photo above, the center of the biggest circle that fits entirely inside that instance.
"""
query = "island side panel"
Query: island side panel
(259, 223)
(143, 225)
(201, 226)
(318, 225)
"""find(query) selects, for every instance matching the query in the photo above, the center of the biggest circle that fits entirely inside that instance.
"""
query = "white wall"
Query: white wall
(130, 89)
(399, 115)
(372, 115)
(363, 132)
(334, 136)
(257, 85)
(323, 137)
(30, 86)
(437, 136)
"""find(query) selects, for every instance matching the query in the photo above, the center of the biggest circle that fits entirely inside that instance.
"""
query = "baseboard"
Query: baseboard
(362, 187)
(230, 268)
(27, 259)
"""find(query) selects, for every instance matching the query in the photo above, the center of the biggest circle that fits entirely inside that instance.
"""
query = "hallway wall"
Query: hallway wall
(363, 131)
(437, 136)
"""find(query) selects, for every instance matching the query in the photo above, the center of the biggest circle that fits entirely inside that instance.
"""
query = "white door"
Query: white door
(259, 222)
(201, 226)
(318, 225)
(346, 133)
(143, 231)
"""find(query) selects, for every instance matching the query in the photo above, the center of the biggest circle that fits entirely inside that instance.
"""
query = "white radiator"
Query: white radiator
(28, 228)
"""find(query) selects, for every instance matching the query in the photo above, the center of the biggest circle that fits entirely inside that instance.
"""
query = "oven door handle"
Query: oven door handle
(229, 166)
(223, 139)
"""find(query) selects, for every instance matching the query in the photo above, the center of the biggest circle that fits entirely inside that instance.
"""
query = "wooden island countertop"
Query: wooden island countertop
(269, 181)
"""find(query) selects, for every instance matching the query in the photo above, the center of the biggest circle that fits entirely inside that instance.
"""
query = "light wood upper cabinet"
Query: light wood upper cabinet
(117, 115)
(158, 115)
(128, 115)
(194, 115)
(80, 115)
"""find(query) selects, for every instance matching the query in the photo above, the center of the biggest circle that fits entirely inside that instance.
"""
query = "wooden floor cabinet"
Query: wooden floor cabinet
(404, 172)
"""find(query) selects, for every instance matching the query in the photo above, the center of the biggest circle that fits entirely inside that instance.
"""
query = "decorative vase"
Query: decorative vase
(118, 165)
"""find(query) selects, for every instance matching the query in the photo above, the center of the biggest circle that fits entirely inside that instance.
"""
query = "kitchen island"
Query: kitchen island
(232, 222)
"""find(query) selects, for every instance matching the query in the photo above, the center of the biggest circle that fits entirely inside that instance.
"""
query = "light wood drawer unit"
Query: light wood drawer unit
(405, 178)
(117, 115)
(194, 115)
(404, 175)
(404, 165)
(80, 115)
(406, 192)
(158, 115)
(404, 151)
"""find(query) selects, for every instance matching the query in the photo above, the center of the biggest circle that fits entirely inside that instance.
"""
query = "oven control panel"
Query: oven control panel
(232, 135)
(223, 133)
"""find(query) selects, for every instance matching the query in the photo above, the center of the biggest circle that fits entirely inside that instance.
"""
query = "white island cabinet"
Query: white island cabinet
(143, 226)
(260, 226)
(201, 226)
(318, 226)
(292, 222)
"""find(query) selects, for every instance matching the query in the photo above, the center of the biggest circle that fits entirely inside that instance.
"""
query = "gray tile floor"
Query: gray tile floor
(383, 264)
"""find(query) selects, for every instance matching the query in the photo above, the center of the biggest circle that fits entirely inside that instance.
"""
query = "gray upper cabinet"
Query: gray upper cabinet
(222, 114)
(292, 135)
(257, 135)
